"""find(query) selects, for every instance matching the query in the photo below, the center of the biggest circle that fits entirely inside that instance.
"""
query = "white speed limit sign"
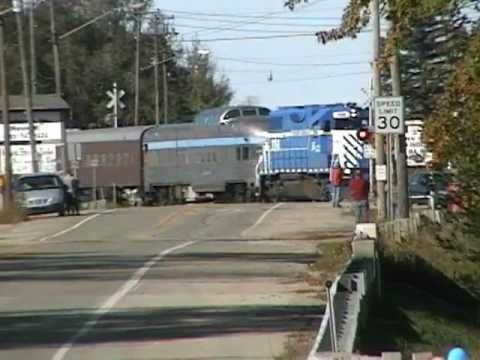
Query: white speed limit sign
(389, 115)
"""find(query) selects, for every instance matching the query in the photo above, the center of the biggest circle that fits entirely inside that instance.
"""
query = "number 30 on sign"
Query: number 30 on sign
(389, 115)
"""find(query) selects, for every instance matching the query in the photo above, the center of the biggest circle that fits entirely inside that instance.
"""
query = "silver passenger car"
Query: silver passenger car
(218, 160)
(41, 194)
(229, 114)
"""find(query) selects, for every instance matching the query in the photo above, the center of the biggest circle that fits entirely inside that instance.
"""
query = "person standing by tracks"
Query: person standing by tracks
(72, 185)
(336, 178)
(359, 188)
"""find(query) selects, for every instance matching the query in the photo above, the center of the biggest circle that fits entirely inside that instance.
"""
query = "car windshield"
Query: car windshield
(38, 183)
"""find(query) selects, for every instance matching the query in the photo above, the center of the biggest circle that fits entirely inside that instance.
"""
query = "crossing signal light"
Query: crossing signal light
(364, 134)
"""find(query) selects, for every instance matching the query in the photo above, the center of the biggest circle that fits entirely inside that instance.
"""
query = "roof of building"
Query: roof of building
(39, 102)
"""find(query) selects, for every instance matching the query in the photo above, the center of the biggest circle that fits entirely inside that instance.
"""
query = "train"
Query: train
(301, 145)
(227, 154)
(171, 164)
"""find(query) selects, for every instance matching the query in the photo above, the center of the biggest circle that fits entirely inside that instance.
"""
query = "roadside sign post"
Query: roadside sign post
(389, 115)
(115, 103)
(389, 121)
(94, 164)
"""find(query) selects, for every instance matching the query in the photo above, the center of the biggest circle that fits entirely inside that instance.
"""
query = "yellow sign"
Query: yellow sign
(2, 181)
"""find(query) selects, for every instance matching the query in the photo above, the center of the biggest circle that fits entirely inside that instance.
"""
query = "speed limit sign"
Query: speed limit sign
(389, 115)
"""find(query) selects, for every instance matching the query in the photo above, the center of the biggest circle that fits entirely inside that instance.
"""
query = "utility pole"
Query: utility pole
(33, 56)
(379, 138)
(5, 118)
(56, 52)
(166, 32)
(403, 208)
(26, 91)
(155, 69)
(115, 106)
(137, 67)
(165, 88)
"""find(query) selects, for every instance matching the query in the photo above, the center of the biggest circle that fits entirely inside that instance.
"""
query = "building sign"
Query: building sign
(22, 161)
(417, 154)
(51, 131)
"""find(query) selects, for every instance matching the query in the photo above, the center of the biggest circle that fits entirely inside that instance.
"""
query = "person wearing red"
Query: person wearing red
(359, 196)
(336, 178)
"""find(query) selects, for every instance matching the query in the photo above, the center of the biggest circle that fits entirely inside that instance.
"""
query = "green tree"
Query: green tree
(427, 56)
(103, 53)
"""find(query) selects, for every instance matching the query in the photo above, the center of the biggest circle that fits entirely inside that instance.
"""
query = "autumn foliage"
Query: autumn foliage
(453, 130)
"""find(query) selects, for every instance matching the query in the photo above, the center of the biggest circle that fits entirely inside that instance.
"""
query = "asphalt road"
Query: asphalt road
(187, 282)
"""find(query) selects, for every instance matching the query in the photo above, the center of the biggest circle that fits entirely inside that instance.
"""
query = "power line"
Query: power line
(228, 18)
(243, 38)
(246, 61)
(257, 16)
(188, 26)
(262, 17)
(316, 56)
(266, 37)
(242, 24)
(305, 79)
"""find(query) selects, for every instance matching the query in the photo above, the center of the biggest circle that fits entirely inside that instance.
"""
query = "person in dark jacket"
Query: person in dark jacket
(72, 187)
(359, 196)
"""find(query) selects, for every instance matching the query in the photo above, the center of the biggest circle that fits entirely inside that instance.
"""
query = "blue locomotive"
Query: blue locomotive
(301, 144)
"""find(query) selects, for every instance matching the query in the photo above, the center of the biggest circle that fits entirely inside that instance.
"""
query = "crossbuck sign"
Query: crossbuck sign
(389, 115)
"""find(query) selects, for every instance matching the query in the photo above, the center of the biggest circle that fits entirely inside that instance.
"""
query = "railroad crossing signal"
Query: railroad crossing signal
(115, 102)
(115, 98)
(389, 115)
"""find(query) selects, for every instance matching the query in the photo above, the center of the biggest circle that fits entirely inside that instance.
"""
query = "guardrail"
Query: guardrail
(349, 296)
(352, 290)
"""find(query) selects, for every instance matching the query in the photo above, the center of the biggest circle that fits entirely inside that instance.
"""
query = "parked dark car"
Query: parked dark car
(424, 185)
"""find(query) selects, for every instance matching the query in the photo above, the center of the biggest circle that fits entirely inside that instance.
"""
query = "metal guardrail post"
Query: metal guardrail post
(333, 331)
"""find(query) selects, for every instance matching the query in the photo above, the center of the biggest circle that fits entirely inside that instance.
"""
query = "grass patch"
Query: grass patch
(430, 297)
(12, 216)
(296, 346)
(331, 261)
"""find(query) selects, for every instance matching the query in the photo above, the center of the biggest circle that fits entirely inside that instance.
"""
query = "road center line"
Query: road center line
(76, 226)
(262, 218)
(115, 298)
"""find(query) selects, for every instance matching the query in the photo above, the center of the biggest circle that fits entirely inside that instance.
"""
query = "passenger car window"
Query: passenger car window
(249, 112)
(246, 153)
(264, 111)
(232, 114)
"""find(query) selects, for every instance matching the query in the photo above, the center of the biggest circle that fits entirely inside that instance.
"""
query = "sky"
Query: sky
(303, 71)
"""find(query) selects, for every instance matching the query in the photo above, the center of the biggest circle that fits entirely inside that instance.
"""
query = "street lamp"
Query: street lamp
(17, 6)
(203, 52)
